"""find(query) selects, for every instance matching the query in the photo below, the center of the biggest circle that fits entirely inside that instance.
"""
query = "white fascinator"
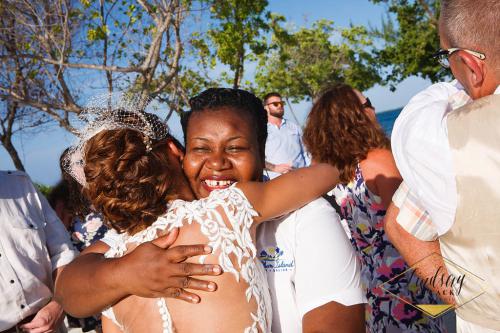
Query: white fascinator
(111, 112)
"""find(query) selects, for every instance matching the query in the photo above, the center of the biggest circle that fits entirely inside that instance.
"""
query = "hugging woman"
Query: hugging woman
(153, 187)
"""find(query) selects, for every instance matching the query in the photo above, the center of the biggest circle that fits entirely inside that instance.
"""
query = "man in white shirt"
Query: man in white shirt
(426, 204)
(34, 246)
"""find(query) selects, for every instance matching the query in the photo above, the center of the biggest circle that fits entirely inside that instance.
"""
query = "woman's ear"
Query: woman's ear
(176, 150)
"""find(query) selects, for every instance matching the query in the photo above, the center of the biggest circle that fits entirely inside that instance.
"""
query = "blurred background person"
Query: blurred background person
(84, 226)
(284, 148)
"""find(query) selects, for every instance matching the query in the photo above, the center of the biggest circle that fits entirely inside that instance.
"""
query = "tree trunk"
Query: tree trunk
(239, 69)
(9, 147)
(236, 82)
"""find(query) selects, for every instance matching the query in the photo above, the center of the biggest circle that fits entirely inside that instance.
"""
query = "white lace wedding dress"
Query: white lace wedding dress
(225, 218)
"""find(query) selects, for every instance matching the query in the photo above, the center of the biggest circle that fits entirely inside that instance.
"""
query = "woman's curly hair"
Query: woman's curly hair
(127, 184)
(338, 131)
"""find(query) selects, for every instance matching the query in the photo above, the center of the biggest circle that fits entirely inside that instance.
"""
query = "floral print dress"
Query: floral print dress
(363, 213)
(88, 231)
(83, 234)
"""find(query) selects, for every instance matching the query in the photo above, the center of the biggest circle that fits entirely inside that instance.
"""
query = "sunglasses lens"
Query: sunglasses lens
(443, 61)
(367, 103)
(277, 104)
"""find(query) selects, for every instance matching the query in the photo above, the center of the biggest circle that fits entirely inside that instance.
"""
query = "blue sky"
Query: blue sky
(40, 152)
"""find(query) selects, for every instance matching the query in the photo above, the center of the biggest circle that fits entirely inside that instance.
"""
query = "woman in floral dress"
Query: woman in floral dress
(342, 130)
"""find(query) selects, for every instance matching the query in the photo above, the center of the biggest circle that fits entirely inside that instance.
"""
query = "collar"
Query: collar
(283, 122)
(461, 98)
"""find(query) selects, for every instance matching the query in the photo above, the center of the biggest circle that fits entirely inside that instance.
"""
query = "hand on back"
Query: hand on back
(154, 269)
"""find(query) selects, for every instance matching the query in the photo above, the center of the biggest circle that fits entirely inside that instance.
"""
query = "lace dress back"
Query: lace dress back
(242, 302)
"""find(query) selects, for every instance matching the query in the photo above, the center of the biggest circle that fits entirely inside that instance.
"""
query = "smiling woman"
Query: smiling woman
(225, 141)
(135, 178)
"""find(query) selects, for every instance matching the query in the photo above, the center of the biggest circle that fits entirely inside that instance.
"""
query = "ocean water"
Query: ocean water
(387, 118)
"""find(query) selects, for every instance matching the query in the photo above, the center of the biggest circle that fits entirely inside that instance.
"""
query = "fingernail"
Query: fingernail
(216, 269)
(194, 299)
(211, 286)
(208, 249)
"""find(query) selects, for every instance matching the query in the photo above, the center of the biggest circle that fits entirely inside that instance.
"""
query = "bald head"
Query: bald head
(472, 24)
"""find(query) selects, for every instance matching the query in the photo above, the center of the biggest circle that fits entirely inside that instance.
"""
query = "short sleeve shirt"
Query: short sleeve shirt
(309, 261)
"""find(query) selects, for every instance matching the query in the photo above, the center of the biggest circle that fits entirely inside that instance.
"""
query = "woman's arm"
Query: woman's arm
(381, 174)
(290, 191)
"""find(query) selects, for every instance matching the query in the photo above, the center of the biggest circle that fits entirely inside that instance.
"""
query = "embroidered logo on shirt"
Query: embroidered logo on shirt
(274, 261)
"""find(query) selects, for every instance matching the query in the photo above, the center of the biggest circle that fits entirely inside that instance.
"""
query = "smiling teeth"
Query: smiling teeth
(215, 183)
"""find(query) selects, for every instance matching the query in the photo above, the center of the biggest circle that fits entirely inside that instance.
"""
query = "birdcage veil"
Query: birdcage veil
(111, 112)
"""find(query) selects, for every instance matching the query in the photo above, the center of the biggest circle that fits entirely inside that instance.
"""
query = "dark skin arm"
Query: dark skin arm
(92, 282)
(280, 196)
(335, 317)
(413, 250)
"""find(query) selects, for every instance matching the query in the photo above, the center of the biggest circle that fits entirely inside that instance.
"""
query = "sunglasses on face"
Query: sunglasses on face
(367, 104)
(276, 104)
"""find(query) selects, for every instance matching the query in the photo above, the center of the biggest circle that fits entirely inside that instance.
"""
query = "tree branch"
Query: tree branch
(130, 69)
(174, 68)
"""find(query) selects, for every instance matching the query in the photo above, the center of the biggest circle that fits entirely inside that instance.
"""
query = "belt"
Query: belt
(17, 327)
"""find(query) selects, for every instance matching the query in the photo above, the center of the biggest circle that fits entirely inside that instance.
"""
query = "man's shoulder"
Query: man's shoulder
(484, 102)
(423, 116)
(437, 91)
(13, 173)
(8, 177)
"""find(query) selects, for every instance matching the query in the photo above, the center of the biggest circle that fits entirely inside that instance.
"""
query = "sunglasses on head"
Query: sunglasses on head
(276, 104)
(367, 104)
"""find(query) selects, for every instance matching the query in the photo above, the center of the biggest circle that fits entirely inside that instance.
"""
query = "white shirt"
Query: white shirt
(422, 152)
(309, 262)
(33, 243)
